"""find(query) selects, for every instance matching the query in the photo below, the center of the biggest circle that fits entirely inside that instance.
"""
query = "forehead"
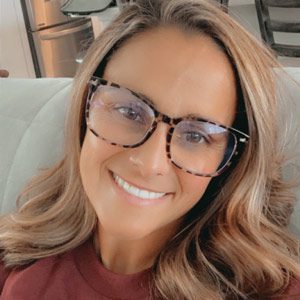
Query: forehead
(182, 73)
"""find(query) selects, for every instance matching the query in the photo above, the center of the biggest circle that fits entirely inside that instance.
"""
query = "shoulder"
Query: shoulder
(46, 266)
(46, 277)
(292, 292)
(38, 274)
(4, 273)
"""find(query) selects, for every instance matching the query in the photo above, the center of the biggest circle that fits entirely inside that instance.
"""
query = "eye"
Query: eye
(195, 137)
(129, 113)
(135, 114)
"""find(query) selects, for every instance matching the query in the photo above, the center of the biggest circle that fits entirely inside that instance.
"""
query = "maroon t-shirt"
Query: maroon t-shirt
(78, 275)
(74, 275)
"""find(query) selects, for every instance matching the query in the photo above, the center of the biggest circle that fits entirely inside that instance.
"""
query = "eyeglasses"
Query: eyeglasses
(125, 118)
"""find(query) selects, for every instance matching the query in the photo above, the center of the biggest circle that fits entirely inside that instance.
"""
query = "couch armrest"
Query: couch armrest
(31, 131)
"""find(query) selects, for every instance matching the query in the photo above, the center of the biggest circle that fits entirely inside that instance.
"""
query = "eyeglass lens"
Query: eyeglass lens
(119, 117)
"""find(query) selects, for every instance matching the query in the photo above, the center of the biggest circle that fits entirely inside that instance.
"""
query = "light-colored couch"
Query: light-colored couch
(31, 131)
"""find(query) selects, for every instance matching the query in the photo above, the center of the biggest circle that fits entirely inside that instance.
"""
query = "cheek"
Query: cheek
(193, 188)
(93, 157)
(95, 149)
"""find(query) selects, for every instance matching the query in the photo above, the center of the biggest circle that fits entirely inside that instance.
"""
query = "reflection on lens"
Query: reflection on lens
(201, 147)
(118, 116)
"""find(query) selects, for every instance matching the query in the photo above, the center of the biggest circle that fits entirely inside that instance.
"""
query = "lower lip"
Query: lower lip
(134, 200)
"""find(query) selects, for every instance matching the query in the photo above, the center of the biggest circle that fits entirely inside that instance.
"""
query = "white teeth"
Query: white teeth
(144, 194)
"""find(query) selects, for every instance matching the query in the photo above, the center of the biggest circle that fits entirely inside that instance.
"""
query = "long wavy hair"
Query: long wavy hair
(234, 244)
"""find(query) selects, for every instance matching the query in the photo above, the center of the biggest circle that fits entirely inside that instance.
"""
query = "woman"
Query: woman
(166, 189)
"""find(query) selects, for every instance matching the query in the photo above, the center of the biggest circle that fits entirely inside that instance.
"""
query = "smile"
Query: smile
(133, 190)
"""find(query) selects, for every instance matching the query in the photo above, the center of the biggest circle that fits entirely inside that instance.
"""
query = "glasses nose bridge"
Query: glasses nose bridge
(160, 117)
(165, 119)
(170, 122)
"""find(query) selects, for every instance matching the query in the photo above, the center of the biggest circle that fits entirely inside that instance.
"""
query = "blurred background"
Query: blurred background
(49, 38)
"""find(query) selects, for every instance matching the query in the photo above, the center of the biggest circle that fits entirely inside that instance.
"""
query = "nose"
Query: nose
(151, 157)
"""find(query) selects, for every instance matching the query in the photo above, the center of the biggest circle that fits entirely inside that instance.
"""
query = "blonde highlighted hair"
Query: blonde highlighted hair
(235, 244)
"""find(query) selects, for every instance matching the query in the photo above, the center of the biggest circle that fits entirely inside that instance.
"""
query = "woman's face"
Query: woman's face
(182, 74)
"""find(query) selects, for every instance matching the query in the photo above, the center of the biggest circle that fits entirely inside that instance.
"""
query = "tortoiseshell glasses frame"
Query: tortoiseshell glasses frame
(240, 138)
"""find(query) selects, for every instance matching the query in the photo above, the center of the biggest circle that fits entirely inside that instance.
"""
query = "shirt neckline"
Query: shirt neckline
(106, 282)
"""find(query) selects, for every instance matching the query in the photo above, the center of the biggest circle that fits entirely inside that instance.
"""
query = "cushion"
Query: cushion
(31, 131)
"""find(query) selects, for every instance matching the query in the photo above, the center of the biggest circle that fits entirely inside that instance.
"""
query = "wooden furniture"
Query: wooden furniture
(268, 25)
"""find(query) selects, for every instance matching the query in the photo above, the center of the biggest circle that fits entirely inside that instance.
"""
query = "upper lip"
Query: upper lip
(139, 186)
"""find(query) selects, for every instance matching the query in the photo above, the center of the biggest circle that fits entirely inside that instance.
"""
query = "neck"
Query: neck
(130, 256)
